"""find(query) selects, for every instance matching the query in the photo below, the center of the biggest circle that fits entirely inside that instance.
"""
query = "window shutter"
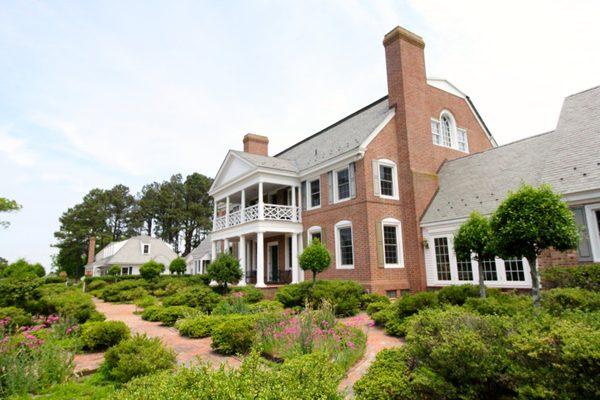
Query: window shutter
(304, 189)
(351, 178)
(330, 186)
(376, 183)
(379, 244)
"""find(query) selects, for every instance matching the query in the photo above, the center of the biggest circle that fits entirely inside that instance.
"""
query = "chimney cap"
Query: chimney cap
(399, 32)
(255, 138)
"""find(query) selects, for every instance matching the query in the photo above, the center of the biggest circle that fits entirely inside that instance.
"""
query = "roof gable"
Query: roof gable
(232, 168)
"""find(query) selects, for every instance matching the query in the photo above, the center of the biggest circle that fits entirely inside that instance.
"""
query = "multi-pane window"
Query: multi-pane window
(390, 244)
(435, 132)
(386, 180)
(315, 193)
(461, 136)
(465, 269)
(146, 248)
(343, 184)
(446, 125)
(514, 269)
(345, 246)
(126, 270)
(442, 258)
(489, 269)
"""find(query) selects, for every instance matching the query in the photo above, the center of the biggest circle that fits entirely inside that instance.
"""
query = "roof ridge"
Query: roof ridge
(333, 125)
(501, 146)
(582, 91)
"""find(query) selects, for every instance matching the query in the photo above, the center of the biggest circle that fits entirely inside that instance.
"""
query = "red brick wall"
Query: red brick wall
(552, 257)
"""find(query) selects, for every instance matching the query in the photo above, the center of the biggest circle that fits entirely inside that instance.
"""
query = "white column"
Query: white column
(300, 250)
(260, 201)
(260, 260)
(227, 211)
(213, 250)
(295, 267)
(242, 257)
(243, 206)
(294, 211)
(300, 202)
(214, 213)
(226, 246)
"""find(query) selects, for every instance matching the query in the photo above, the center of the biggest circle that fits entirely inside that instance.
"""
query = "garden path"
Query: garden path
(187, 350)
(377, 340)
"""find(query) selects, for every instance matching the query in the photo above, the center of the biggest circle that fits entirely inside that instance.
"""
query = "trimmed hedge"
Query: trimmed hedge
(581, 276)
(560, 300)
(235, 335)
(102, 335)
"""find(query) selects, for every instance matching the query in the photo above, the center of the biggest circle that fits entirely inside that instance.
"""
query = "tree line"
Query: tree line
(177, 211)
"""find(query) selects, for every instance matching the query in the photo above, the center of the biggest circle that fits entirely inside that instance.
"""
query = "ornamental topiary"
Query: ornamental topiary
(136, 357)
(315, 258)
(151, 270)
(102, 335)
(178, 266)
(224, 270)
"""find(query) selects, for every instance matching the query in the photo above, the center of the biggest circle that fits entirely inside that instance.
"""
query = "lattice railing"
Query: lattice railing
(271, 212)
(279, 213)
(251, 213)
(220, 223)
(235, 218)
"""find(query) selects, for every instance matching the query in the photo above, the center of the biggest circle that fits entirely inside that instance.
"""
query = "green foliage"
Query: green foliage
(124, 291)
(250, 293)
(152, 313)
(19, 290)
(151, 270)
(315, 258)
(345, 296)
(88, 388)
(304, 378)
(377, 306)
(70, 302)
(199, 326)
(265, 306)
(22, 267)
(168, 315)
(224, 270)
(31, 369)
(386, 378)
(135, 357)
(499, 303)
(145, 301)
(457, 294)
(114, 270)
(96, 285)
(102, 335)
(200, 296)
(16, 317)
(235, 335)
(560, 300)
(530, 221)
(8, 205)
(581, 276)
(178, 266)
(369, 298)
(412, 304)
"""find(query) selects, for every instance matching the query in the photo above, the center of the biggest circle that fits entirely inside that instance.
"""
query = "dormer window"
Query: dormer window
(145, 248)
(444, 132)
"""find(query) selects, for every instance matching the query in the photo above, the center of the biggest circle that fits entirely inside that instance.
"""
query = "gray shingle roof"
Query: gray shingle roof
(129, 252)
(567, 158)
(339, 138)
(201, 250)
(267, 161)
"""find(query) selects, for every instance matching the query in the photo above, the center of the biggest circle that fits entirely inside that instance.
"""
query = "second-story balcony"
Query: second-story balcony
(258, 212)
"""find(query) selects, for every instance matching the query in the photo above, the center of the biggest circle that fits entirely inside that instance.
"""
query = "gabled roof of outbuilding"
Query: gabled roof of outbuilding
(201, 250)
(567, 158)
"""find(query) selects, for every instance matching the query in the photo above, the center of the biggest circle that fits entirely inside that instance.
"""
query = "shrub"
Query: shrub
(199, 326)
(581, 276)
(231, 305)
(315, 258)
(152, 313)
(373, 308)
(368, 298)
(383, 316)
(95, 285)
(386, 378)
(294, 295)
(13, 317)
(151, 270)
(250, 293)
(559, 300)
(201, 297)
(19, 290)
(412, 304)
(224, 270)
(145, 301)
(21, 267)
(178, 266)
(169, 315)
(457, 294)
(124, 290)
(498, 303)
(235, 335)
(69, 302)
(102, 335)
(265, 306)
(345, 296)
(114, 270)
(304, 378)
(135, 357)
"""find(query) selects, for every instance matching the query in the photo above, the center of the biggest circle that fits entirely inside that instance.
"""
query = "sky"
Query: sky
(99, 93)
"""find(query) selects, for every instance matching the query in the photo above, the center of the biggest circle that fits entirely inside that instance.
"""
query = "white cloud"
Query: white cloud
(16, 150)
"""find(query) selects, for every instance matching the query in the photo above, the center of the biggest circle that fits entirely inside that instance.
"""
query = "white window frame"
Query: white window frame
(149, 248)
(594, 232)
(399, 247)
(336, 195)
(450, 244)
(454, 130)
(129, 270)
(287, 266)
(392, 164)
(311, 231)
(338, 250)
(309, 194)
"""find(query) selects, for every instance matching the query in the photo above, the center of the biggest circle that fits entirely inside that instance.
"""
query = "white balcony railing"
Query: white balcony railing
(270, 212)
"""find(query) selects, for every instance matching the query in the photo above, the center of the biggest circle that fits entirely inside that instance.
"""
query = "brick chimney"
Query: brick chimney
(256, 144)
(91, 250)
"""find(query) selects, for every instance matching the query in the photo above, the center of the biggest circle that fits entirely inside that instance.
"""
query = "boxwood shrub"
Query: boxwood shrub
(15, 317)
(560, 300)
(345, 296)
(199, 326)
(201, 297)
(581, 276)
(135, 357)
(102, 335)
(152, 313)
(235, 334)
(250, 294)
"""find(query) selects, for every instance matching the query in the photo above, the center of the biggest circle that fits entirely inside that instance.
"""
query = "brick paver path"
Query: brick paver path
(187, 349)
(377, 340)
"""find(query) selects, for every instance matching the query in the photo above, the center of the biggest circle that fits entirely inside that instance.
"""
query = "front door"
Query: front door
(273, 262)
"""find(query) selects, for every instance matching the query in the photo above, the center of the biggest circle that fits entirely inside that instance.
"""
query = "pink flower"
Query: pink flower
(351, 345)
(372, 323)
